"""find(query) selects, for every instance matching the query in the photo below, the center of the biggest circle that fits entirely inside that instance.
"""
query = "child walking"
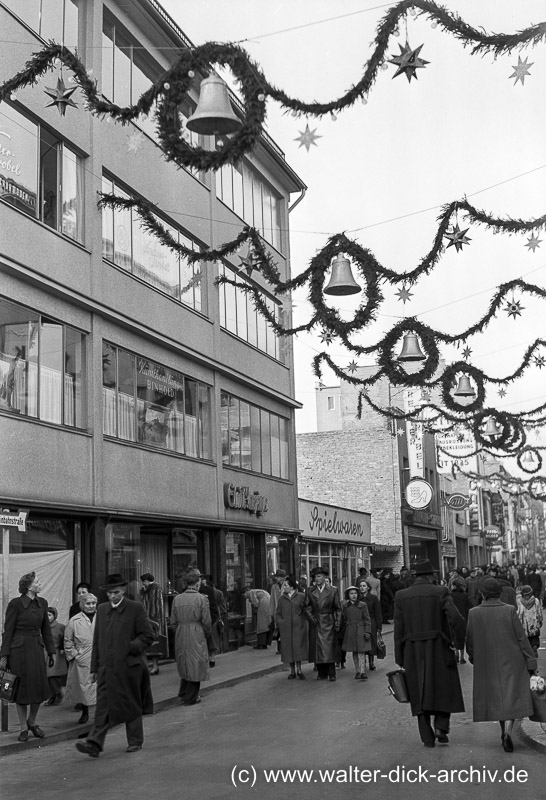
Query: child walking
(357, 627)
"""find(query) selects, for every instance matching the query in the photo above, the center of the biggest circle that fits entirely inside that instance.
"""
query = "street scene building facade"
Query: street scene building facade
(147, 413)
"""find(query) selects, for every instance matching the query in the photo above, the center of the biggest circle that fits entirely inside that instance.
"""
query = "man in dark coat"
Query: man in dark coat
(322, 608)
(425, 623)
(118, 663)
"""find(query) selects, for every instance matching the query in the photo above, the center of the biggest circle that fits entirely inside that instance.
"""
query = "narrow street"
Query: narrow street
(238, 734)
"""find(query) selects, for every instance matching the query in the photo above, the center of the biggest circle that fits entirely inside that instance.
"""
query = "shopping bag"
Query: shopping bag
(538, 694)
(8, 686)
(381, 647)
(398, 686)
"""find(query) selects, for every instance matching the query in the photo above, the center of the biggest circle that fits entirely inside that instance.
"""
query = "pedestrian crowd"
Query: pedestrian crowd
(105, 655)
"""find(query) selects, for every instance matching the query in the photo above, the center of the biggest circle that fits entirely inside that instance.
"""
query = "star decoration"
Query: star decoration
(467, 352)
(521, 71)
(540, 361)
(353, 366)
(408, 61)
(61, 96)
(135, 142)
(307, 138)
(502, 392)
(513, 308)
(400, 431)
(533, 242)
(457, 237)
(327, 337)
(248, 263)
(404, 294)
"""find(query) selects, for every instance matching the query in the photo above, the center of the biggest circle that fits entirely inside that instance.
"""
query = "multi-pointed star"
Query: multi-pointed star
(248, 263)
(352, 367)
(521, 71)
(135, 142)
(408, 61)
(327, 337)
(540, 361)
(61, 96)
(457, 237)
(404, 294)
(467, 352)
(533, 242)
(307, 138)
(513, 308)
(502, 392)
(400, 432)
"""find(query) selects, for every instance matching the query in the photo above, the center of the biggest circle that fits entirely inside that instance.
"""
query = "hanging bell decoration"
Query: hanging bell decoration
(491, 428)
(341, 280)
(214, 113)
(464, 388)
(528, 457)
(411, 349)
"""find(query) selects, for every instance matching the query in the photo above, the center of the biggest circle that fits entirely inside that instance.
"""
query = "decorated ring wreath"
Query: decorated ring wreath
(526, 467)
(537, 488)
(447, 380)
(511, 437)
(387, 360)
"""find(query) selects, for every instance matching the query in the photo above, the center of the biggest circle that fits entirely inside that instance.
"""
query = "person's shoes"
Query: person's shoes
(301, 676)
(50, 702)
(260, 647)
(88, 748)
(357, 676)
(36, 731)
(133, 748)
(342, 666)
(58, 700)
(372, 666)
(363, 677)
(84, 718)
(23, 736)
(508, 744)
(194, 703)
(292, 676)
(154, 671)
(212, 662)
(338, 666)
(78, 707)
(429, 744)
(441, 736)
(462, 660)
(322, 677)
(332, 677)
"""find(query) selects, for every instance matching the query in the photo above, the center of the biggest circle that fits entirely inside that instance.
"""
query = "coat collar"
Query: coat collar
(493, 601)
(26, 600)
(120, 608)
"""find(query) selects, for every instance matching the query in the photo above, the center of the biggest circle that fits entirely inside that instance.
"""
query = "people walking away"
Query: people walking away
(529, 609)
(356, 627)
(533, 580)
(56, 675)
(503, 660)
(151, 597)
(375, 583)
(26, 633)
(291, 623)
(473, 585)
(208, 592)
(191, 620)
(275, 593)
(118, 663)
(508, 593)
(81, 588)
(259, 600)
(425, 622)
(323, 610)
(387, 595)
(462, 604)
(376, 619)
(78, 645)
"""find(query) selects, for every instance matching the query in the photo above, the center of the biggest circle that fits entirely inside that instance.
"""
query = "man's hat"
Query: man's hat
(320, 570)
(423, 567)
(490, 587)
(114, 580)
(280, 573)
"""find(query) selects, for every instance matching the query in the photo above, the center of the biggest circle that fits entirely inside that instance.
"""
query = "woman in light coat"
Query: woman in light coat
(503, 660)
(190, 617)
(78, 645)
(260, 601)
(291, 623)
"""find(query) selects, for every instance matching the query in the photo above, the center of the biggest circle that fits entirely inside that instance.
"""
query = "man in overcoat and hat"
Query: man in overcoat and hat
(322, 607)
(426, 625)
(118, 663)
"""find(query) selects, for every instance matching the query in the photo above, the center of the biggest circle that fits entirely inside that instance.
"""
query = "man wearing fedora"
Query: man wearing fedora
(118, 663)
(322, 608)
(426, 624)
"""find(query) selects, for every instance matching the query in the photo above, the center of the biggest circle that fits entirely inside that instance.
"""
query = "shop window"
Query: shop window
(148, 403)
(40, 174)
(42, 364)
(122, 554)
(50, 19)
(127, 243)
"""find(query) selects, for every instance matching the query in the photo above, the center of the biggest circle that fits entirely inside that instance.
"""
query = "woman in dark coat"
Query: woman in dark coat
(356, 627)
(462, 603)
(291, 624)
(26, 632)
(503, 659)
(387, 595)
(376, 618)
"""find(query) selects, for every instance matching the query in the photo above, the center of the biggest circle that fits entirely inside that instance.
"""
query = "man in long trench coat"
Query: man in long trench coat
(122, 635)
(426, 623)
(323, 610)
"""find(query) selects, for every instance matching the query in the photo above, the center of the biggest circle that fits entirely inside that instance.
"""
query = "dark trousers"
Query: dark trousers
(189, 691)
(325, 670)
(134, 730)
(441, 723)
(261, 639)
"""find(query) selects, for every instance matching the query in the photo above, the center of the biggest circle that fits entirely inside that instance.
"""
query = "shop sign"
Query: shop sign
(14, 520)
(457, 501)
(492, 533)
(240, 497)
(321, 521)
(418, 493)
(449, 551)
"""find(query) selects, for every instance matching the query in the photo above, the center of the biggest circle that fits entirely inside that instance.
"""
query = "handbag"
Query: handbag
(398, 686)
(538, 695)
(381, 646)
(8, 685)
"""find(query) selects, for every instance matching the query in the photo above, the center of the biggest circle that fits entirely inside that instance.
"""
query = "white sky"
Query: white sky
(381, 171)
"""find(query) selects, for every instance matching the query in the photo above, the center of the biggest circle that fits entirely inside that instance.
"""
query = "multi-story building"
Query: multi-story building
(146, 412)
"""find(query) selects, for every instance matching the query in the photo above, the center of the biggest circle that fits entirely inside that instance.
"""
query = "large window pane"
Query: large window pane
(234, 433)
(18, 331)
(256, 441)
(231, 308)
(204, 422)
(109, 387)
(248, 205)
(238, 189)
(51, 371)
(122, 235)
(108, 63)
(18, 160)
(107, 223)
(122, 69)
(275, 446)
(283, 435)
(74, 370)
(191, 419)
(126, 395)
(246, 442)
(252, 317)
(72, 194)
(49, 178)
(242, 329)
(266, 442)
(224, 426)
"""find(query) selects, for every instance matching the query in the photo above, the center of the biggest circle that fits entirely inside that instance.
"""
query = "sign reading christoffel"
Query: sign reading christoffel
(321, 521)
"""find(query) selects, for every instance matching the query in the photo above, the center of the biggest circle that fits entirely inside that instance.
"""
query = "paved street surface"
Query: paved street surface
(333, 731)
